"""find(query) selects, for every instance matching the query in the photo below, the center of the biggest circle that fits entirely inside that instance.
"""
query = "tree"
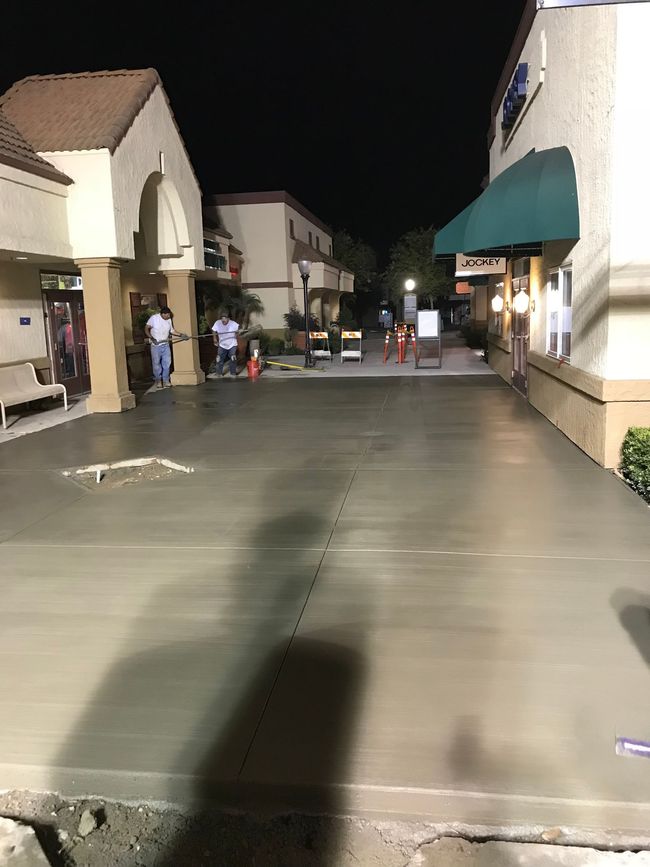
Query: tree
(361, 260)
(412, 256)
(358, 257)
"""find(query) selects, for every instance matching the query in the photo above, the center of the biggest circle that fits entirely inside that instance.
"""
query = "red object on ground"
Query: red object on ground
(253, 368)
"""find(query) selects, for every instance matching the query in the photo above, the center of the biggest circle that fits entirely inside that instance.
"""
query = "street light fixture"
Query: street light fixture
(409, 285)
(304, 266)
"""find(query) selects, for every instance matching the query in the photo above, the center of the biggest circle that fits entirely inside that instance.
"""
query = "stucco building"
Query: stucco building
(274, 231)
(567, 208)
(100, 220)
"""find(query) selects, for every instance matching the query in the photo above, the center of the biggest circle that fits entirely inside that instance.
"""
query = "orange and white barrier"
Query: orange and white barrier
(387, 346)
(401, 332)
(350, 337)
(320, 345)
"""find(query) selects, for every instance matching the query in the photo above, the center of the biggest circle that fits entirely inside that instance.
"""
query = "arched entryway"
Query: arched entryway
(162, 265)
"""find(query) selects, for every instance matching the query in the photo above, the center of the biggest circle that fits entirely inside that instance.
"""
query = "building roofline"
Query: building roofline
(302, 250)
(123, 123)
(267, 197)
(45, 170)
(521, 35)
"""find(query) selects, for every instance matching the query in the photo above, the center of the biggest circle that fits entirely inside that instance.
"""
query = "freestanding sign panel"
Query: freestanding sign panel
(428, 331)
(428, 323)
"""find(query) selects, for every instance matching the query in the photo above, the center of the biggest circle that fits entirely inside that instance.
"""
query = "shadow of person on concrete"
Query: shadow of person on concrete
(633, 610)
(216, 701)
(285, 785)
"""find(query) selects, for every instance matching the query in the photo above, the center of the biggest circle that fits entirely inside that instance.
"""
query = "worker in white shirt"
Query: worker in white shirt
(224, 337)
(160, 329)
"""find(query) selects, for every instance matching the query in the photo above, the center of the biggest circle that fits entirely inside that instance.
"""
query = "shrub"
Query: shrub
(475, 338)
(276, 346)
(635, 454)
(294, 319)
(335, 340)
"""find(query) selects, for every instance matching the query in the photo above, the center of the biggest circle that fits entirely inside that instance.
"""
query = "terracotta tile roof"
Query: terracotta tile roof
(78, 111)
(14, 151)
(304, 251)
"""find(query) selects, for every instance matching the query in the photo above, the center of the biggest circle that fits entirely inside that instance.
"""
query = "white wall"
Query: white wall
(138, 156)
(572, 108)
(260, 231)
(33, 215)
(302, 228)
(628, 354)
(277, 301)
(347, 282)
(20, 295)
(322, 276)
(104, 201)
(90, 201)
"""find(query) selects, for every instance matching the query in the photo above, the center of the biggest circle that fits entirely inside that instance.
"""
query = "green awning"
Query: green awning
(533, 200)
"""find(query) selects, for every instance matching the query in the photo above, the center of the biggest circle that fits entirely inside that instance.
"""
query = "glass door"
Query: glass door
(67, 326)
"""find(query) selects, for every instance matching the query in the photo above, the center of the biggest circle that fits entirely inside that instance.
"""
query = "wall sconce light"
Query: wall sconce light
(497, 304)
(521, 302)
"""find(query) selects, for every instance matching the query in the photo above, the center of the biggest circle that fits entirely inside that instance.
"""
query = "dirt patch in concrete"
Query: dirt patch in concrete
(98, 833)
(130, 472)
(143, 836)
(111, 479)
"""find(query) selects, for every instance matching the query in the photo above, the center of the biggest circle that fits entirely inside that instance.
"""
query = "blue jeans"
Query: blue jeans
(231, 354)
(161, 360)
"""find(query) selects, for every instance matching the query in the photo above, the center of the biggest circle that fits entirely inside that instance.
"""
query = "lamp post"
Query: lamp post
(409, 284)
(304, 266)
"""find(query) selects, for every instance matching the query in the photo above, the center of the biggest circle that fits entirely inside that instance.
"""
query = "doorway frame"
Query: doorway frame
(79, 384)
(520, 328)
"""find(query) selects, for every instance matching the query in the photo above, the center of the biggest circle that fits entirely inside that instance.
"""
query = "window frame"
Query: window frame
(213, 256)
(560, 272)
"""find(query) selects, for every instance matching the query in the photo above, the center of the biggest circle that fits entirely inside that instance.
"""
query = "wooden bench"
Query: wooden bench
(18, 384)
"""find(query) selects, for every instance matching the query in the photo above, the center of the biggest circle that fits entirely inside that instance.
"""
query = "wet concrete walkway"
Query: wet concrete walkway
(411, 596)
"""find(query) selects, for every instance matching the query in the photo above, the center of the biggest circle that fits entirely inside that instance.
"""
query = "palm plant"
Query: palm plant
(240, 303)
(244, 305)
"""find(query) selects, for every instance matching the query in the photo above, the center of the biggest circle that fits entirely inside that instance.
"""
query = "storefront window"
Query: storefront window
(142, 307)
(559, 302)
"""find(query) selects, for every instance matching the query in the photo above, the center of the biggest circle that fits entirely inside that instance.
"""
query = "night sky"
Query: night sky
(373, 115)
